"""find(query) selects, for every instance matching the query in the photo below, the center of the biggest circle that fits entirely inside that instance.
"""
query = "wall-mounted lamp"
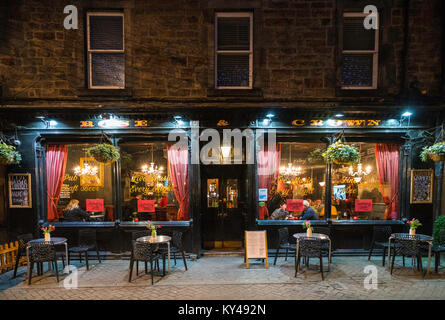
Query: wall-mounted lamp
(268, 120)
(178, 120)
(48, 123)
(405, 115)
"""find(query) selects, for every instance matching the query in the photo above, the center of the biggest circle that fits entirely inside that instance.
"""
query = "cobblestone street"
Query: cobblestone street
(227, 278)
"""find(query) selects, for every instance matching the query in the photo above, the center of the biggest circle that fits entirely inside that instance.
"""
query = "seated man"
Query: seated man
(280, 213)
(308, 213)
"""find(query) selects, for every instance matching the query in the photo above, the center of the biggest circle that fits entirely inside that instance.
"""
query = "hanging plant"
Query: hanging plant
(105, 153)
(436, 152)
(8, 154)
(340, 153)
(315, 157)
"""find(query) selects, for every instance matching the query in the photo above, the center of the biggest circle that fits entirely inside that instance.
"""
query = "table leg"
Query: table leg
(389, 253)
(296, 253)
(168, 245)
(28, 264)
(329, 257)
(67, 256)
(429, 258)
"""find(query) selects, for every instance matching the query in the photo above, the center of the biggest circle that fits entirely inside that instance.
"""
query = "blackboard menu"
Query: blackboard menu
(421, 186)
(19, 190)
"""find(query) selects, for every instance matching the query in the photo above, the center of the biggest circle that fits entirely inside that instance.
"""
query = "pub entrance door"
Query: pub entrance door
(224, 196)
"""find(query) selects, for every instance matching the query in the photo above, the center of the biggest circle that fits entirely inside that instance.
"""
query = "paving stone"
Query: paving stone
(227, 278)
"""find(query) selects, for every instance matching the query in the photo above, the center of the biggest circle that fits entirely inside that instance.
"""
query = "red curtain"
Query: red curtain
(268, 166)
(178, 166)
(55, 170)
(387, 156)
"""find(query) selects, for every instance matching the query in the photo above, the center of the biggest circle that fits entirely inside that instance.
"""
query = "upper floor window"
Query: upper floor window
(359, 53)
(233, 50)
(106, 50)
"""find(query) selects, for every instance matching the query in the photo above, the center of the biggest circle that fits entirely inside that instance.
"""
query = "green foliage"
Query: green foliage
(315, 157)
(436, 149)
(8, 154)
(439, 225)
(341, 153)
(104, 152)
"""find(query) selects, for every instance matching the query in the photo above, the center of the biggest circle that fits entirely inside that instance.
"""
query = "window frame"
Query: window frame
(232, 52)
(91, 51)
(375, 53)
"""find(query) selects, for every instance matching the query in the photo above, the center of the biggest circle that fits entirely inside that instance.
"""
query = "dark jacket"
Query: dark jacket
(279, 214)
(309, 214)
(76, 214)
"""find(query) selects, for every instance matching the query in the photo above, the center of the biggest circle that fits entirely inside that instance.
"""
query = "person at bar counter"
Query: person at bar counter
(74, 212)
(280, 213)
(308, 213)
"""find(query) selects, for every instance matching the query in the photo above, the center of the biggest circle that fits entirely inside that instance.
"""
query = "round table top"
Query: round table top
(314, 235)
(417, 236)
(158, 239)
(54, 240)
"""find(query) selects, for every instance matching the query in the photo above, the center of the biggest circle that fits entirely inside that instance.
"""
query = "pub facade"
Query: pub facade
(290, 77)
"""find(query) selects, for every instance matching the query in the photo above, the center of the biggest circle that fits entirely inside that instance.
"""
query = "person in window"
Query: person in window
(308, 213)
(318, 206)
(164, 200)
(280, 213)
(73, 212)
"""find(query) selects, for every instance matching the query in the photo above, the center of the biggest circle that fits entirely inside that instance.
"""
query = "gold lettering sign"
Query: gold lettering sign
(141, 123)
(298, 123)
(338, 123)
(222, 123)
(86, 124)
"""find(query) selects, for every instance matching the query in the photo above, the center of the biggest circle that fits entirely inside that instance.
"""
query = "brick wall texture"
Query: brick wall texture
(169, 47)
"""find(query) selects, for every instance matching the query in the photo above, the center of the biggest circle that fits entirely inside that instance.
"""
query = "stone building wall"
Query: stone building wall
(169, 48)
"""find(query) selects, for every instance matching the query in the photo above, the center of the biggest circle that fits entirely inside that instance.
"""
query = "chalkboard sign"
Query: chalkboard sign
(421, 186)
(256, 246)
(19, 190)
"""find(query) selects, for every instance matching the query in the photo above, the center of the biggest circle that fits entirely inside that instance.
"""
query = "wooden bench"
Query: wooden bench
(8, 253)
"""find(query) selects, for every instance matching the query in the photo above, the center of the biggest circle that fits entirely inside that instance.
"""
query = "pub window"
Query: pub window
(359, 53)
(78, 187)
(289, 176)
(106, 50)
(154, 183)
(233, 50)
(367, 190)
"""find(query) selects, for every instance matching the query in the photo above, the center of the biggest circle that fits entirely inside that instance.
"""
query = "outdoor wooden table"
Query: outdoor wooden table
(321, 236)
(55, 241)
(158, 240)
(420, 237)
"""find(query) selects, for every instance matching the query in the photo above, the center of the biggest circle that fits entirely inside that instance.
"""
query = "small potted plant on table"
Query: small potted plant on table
(413, 224)
(151, 226)
(308, 227)
(47, 232)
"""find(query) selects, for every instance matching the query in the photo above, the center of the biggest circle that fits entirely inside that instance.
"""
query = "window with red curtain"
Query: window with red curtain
(367, 190)
(153, 187)
(298, 175)
(74, 196)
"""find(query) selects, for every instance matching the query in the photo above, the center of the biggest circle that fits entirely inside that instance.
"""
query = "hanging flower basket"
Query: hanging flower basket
(105, 153)
(8, 155)
(340, 153)
(436, 152)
